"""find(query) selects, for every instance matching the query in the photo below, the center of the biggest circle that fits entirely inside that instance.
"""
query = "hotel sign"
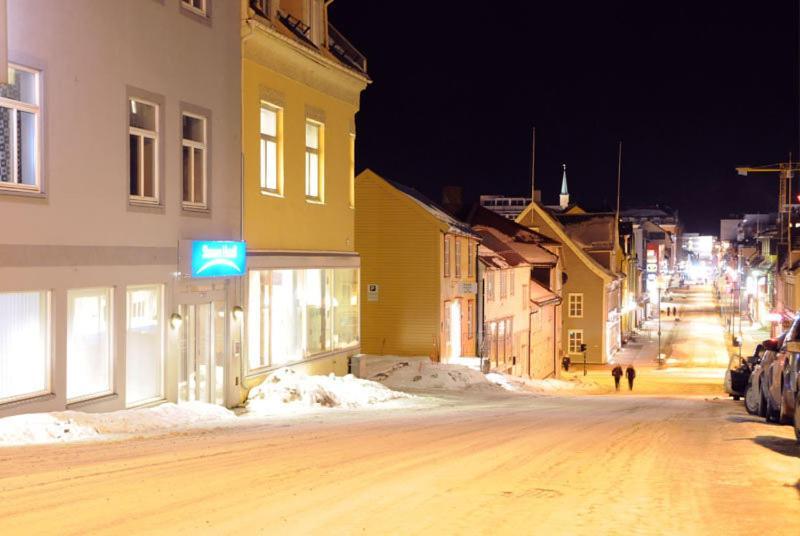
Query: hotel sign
(218, 258)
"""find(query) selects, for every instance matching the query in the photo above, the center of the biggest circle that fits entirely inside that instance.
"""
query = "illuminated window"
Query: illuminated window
(470, 258)
(20, 131)
(575, 340)
(143, 156)
(314, 179)
(271, 149)
(194, 161)
(24, 343)
(89, 352)
(144, 356)
(575, 305)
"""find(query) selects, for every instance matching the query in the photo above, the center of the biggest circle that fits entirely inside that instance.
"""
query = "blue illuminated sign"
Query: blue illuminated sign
(218, 258)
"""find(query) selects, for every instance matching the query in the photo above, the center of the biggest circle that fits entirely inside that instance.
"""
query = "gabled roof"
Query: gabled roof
(492, 246)
(479, 215)
(541, 295)
(413, 196)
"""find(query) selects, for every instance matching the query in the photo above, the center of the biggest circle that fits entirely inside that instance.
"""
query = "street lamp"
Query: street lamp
(660, 286)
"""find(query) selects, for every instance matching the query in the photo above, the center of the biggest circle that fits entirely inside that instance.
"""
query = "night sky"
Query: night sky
(692, 90)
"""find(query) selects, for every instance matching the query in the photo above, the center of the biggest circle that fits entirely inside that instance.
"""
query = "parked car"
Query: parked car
(772, 376)
(790, 391)
(739, 370)
(753, 395)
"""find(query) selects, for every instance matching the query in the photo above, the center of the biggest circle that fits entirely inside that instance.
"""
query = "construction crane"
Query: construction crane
(785, 171)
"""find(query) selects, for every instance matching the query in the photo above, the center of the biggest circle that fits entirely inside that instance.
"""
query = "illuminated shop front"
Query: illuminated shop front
(302, 315)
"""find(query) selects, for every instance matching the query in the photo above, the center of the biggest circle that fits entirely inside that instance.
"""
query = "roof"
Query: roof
(493, 246)
(454, 226)
(541, 295)
(479, 215)
(526, 244)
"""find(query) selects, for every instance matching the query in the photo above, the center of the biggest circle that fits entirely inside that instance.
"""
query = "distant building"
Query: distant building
(507, 206)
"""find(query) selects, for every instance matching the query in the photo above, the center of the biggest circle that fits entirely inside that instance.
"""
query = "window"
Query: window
(352, 171)
(575, 340)
(19, 131)
(89, 355)
(447, 256)
(24, 344)
(314, 180)
(511, 282)
(541, 275)
(313, 10)
(262, 7)
(144, 369)
(490, 284)
(457, 260)
(295, 314)
(143, 139)
(470, 320)
(575, 303)
(196, 6)
(470, 258)
(502, 284)
(195, 187)
(271, 149)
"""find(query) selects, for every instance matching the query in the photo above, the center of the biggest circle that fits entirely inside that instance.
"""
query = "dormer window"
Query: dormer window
(314, 19)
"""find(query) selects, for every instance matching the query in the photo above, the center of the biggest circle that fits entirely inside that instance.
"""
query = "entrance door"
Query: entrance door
(455, 328)
(203, 355)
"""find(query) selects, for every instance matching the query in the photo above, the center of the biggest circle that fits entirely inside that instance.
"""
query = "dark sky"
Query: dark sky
(692, 89)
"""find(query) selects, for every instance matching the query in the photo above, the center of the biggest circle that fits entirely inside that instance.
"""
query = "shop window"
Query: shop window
(195, 171)
(144, 355)
(89, 355)
(296, 314)
(24, 355)
(20, 131)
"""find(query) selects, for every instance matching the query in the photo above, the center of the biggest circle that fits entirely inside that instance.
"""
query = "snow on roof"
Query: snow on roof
(481, 216)
(541, 295)
(456, 226)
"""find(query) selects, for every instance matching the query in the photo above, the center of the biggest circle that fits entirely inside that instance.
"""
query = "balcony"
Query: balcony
(345, 51)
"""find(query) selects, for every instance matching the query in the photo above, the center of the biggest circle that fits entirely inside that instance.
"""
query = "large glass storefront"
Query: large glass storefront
(144, 354)
(24, 359)
(297, 314)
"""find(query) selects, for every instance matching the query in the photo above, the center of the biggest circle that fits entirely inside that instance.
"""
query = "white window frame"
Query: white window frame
(163, 333)
(503, 284)
(575, 305)
(446, 256)
(578, 340)
(457, 265)
(15, 107)
(45, 300)
(277, 140)
(193, 146)
(142, 133)
(202, 10)
(319, 151)
(111, 341)
(470, 258)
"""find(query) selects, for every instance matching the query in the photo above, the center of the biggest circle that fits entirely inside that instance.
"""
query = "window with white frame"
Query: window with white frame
(457, 261)
(575, 340)
(195, 151)
(199, 7)
(89, 343)
(270, 150)
(502, 284)
(144, 353)
(20, 131)
(575, 305)
(470, 258)
(143, 156)
(314, 179)
(24, 345)
(447, 256)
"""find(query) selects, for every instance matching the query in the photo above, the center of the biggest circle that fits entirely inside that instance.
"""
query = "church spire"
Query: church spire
(564, 197)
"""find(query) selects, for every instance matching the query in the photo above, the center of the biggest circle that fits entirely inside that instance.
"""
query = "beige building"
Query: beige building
(123, 169)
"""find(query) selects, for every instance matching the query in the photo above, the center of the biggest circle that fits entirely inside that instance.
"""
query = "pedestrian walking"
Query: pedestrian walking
(617, 373)
(566, 362)
(674, 311)
(630, 373)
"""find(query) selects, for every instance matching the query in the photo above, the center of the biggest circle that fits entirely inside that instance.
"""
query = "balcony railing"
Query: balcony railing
(345, 51)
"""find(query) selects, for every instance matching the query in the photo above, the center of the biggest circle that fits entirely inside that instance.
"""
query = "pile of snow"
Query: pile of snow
(287, 389)
(65, 426)
(423, 374)
(549, 385)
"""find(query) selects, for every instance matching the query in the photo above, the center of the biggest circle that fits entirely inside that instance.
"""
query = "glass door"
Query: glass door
(203, 352)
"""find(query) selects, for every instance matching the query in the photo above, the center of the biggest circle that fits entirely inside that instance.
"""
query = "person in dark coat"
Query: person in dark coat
(617, 373)
(566, 362)
(630, 373)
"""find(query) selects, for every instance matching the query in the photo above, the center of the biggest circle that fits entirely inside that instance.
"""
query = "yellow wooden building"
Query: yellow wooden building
(301, 86)
(418, 267)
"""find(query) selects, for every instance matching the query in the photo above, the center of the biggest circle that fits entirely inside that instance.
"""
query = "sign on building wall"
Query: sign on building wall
(216, 258)
(468, 288)
(372, 292)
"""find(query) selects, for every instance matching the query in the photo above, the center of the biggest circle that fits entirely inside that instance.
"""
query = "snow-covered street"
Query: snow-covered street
(485, 461)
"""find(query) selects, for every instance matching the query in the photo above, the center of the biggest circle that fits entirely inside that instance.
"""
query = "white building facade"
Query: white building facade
(120, 203)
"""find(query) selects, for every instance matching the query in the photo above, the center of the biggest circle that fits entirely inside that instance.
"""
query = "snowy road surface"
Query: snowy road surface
(500, 464)
(480, 462)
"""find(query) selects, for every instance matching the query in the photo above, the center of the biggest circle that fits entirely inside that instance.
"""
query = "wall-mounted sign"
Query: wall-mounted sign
(372, 292)
(468, 288)
(652, 267)
(218, 258)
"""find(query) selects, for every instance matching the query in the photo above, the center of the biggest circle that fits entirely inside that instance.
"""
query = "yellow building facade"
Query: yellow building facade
(301, 85)
(418, 268)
